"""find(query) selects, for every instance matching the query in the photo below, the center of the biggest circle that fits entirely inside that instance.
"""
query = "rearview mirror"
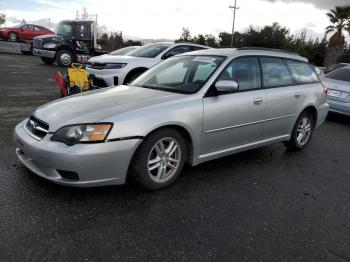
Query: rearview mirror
(226, 86)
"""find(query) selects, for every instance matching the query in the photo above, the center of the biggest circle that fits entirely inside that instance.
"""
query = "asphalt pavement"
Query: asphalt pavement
(267, 204)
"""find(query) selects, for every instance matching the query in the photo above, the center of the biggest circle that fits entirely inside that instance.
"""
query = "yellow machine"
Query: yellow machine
(76, 81)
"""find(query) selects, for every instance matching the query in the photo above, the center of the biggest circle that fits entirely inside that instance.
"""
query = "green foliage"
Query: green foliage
(2, 19)
(114, 41)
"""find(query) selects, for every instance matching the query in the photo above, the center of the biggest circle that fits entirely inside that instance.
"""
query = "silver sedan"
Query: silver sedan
(338, 83)
(190, 108)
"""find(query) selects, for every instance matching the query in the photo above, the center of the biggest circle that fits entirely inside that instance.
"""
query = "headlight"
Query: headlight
(114, 65)
(86, 133)
(49, 45)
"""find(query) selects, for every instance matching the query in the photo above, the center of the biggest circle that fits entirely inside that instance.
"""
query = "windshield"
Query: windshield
(64, 29)
(149, 51)
(123, 51)
(183, 74)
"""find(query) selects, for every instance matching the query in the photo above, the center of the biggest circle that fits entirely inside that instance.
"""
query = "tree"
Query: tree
(340, 22)
(185, 35)
(2, 19)
(210, 40)
(200, 39)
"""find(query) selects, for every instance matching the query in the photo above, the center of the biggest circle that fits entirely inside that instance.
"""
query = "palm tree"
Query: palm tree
(340, 19)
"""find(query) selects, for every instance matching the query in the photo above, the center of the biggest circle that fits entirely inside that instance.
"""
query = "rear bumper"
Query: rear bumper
(44, 53)
(322, 112)
(95, 164)
(339, 107)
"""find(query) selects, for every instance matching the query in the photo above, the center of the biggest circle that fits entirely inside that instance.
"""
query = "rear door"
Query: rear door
(286, 83)
(235, 119)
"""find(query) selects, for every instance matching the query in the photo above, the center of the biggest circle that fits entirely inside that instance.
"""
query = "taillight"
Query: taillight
(325, 88)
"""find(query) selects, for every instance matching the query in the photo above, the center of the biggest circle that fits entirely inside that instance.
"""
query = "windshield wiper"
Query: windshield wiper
(165, 89)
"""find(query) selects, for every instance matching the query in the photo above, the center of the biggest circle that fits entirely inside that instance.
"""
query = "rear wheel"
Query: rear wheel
(64, 58)
(48, 61)
(160, 159)
(12, 36)
(302, 132)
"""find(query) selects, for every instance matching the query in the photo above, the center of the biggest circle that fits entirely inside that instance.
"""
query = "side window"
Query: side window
(37, 28)
(342, 74)
(245, 71)
(275, 73)
(176, 51)
(301, 72)
(195, 48)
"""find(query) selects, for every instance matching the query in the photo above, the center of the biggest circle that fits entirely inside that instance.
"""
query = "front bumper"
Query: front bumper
(44, 53)
(97, 164)
(339, 107)
(111, 77)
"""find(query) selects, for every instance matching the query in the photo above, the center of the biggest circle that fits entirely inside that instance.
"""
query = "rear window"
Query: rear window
(301, 72)
(342, 74)
(275, 73)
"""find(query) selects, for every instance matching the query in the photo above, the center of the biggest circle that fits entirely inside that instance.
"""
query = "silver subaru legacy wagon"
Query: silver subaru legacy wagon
(188, 109)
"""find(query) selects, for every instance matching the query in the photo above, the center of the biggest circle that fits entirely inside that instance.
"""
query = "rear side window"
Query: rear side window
(301, 72)
(275, 72)
(342, 74)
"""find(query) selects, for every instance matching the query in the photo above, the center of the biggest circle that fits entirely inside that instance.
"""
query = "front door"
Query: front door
(235, 119)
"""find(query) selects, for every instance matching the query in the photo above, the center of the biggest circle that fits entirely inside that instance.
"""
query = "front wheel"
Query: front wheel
(64, 58)
(12, 36)
(160, 159)
(302, 132)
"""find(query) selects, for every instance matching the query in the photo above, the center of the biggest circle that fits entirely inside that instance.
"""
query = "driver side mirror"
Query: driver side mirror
(226, 86)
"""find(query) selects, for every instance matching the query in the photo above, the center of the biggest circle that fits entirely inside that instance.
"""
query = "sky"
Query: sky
(165, 18)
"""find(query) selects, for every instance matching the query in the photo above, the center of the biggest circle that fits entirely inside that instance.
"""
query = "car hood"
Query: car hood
(47, 36)
(98, 105)
(119, 59)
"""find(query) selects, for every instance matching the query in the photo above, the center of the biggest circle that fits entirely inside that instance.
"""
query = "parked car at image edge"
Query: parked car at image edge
(191, 108)
(23, 32)
(333, 67)
(338, 83)
(111, 70)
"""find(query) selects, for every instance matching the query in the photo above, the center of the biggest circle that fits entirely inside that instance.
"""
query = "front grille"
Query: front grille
(37, 128)
(37, 43)
(97, 66)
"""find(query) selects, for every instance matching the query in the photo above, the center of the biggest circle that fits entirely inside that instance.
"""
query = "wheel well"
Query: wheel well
(64, 47)
(312, 110)
(186, 135)
(134, 71)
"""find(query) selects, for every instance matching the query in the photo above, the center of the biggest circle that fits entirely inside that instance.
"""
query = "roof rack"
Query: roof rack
(267, 49)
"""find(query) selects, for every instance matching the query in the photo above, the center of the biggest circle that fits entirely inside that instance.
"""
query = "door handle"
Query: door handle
(298, 94)
(258, 101)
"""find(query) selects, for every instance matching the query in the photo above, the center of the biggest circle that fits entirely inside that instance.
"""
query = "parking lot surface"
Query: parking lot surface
(267, 204)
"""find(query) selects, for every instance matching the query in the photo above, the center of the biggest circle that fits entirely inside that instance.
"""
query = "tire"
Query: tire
(12, 37)
(302, 132)
(64, 58)
(48, 61)
(156, 167)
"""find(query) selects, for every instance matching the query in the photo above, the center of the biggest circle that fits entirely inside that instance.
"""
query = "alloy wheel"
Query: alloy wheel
(304, 130)
(164, 160)
(12, 37)
(65, 59)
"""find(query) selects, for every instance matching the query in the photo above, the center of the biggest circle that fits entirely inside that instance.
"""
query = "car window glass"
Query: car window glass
(275, 73)
(195, 48)
(301, 72)
(245, 71)
(36, 28)
(64, 29)
(149, 51)
(342, 74)
(82, 32)
(182, 74)
(175, 73)
(177, 50)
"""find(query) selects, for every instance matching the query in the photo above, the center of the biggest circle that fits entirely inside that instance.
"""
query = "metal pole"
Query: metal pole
(234, 18)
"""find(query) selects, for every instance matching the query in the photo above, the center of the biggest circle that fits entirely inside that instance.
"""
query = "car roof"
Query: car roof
(234, 52)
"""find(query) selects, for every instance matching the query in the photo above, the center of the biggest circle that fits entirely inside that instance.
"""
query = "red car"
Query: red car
(23, 32)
